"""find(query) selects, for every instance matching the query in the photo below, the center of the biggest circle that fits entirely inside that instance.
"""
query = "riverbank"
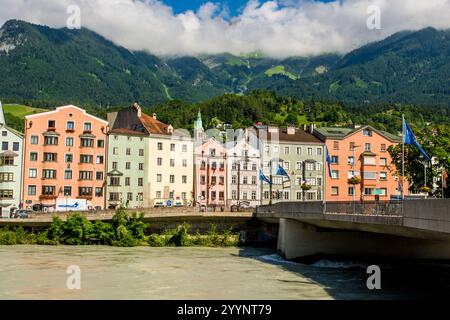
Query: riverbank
(124, 230)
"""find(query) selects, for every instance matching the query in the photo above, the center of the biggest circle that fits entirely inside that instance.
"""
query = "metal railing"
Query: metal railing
(385, 208)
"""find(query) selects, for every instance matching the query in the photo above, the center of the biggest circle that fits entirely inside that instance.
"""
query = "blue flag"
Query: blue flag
(263, 178)
(328, 161)
(281, 171)
(410, 138)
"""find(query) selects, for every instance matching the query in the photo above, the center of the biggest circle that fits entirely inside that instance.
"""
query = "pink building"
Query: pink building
(64, 159)
(210, 174)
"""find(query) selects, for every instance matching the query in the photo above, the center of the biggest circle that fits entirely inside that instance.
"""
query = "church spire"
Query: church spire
(198, 127)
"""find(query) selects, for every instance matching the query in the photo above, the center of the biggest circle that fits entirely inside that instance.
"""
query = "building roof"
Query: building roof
(342, 133)
(127, 131)
(70, 106)
(263, 132)
(153, 125)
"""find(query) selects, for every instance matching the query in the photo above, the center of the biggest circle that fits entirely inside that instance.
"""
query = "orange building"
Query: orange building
(361, 166)
(64, 160)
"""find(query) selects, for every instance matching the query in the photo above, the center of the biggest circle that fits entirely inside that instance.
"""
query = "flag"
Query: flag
(410, 138)
(281, 171)
(444, 178)
(328, 161)
(263, 178)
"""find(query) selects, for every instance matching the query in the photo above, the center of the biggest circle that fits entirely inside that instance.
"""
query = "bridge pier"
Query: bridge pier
(297, 239)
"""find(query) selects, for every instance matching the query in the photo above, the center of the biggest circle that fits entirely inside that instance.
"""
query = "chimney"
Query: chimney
(291, 130)
(272, 129)
(138, 109)
(312, 126)
(304, 127)
(154, 116)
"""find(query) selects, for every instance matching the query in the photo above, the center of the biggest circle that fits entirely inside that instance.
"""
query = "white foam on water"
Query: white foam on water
(275, 258)
(324, 263)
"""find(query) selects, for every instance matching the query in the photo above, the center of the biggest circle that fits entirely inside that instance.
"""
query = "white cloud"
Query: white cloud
(277, 28)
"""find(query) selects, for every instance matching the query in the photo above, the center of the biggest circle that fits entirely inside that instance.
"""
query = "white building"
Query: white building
(10, 168)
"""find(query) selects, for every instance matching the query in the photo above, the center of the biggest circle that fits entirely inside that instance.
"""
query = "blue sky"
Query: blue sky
(235, 6)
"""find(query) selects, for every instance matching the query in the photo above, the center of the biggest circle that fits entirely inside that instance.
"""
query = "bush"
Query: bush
(156, 240)
(181, 238)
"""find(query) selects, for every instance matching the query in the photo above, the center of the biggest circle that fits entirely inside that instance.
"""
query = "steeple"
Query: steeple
(2, 117)
(198, 127)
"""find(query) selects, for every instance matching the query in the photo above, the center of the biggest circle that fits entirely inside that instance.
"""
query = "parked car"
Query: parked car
(21, 214)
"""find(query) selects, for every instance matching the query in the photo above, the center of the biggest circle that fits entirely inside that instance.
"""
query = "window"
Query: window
(383, 175)
(184, 179)
(67, 191)
(48, 174)
(127, 165)
(115, 151)
(334, 191)
(253, 166)
(367, 146)
(298, 165)
(319, 181)
(334, 159)
(351, 191)
(202, 179)
(233, 179)
(70, 125)
(32, 173)
(69, 158)
(130, 196)
(213, 180)
(6, 161)
(85, 175)
(309, 166)
(299, 195)
(172, 147)
(266, 194)
(127, 181)
(383, 192)
(352, 145)
(350, 160)
(50, 157)
(159, 161)
(31, 190)
(203, 165)
(369, 160)
(159, 178)
(85, 192)
(172, 162)
(33, 156)
(141, 166)
(244, 180)
(319, 151)
(352, 173)
(87, 127)
(69, 142)
(140, 182)
(244, 195)
(212, 152)
(141, 152)
(276, 149)
(160, 146)
(114, 165)
(99, 175)
(158, 194)
(172, 178)
(87, 142)
(100, 143)
(4, 133)
(213, 195)
(99, 192)
(267, 149)
(6, 194)
(310, 196)
(286, 165)
(299, 150)
(68, 174)
(34, 139)
(114, 196)
(86, 158)
(253, 195)
(286, 150)
(334, 174)
(368, 175)
(336, 145)
(15, 146)
(51, 124)
(368, 191)
(253, 179)
(383, 162)
(184, 163)
(367, 132)
(99, 160)
(184, 148)
(286, 195)
(128, 151)
(221, 195)
(233, 195)
(114, 181)
(383, 147)
(48, 190)
(310, 151)
(6, 176)
(4, 145)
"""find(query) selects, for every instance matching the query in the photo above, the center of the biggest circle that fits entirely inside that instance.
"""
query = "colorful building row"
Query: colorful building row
(68, 159)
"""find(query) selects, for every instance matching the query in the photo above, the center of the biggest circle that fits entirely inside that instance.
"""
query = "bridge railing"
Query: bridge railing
(388, 208)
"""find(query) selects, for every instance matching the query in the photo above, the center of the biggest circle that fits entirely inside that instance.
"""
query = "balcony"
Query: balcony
(47, 197)
(70, 130)
(51, 129)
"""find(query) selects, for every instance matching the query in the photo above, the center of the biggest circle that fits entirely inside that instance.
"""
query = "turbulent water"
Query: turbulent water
(40, 272)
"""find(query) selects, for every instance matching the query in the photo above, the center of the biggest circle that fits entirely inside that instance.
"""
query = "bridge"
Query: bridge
(413, 229)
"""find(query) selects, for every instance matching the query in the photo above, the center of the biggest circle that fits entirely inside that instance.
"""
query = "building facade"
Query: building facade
(243, 165)
(300, 154)
(210, 167)
(360, 163)
(151, 164)
(64, 159)
(10, 168)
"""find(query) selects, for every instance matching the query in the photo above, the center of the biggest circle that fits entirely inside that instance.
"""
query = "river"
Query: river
(39, 272)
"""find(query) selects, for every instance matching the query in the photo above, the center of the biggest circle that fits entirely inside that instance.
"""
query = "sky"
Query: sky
(278, 28)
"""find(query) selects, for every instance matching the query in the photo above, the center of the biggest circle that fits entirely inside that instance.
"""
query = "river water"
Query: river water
(39, 272)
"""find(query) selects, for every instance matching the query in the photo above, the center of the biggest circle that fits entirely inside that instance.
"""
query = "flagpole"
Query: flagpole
(403, 157)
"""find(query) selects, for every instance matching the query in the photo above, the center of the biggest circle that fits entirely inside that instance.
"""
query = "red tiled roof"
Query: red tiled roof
(153, 125)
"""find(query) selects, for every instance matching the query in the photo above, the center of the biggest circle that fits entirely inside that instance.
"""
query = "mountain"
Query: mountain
(47, 66)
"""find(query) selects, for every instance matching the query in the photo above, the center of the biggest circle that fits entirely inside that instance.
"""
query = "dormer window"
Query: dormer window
(367, 132)
(169, 129)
